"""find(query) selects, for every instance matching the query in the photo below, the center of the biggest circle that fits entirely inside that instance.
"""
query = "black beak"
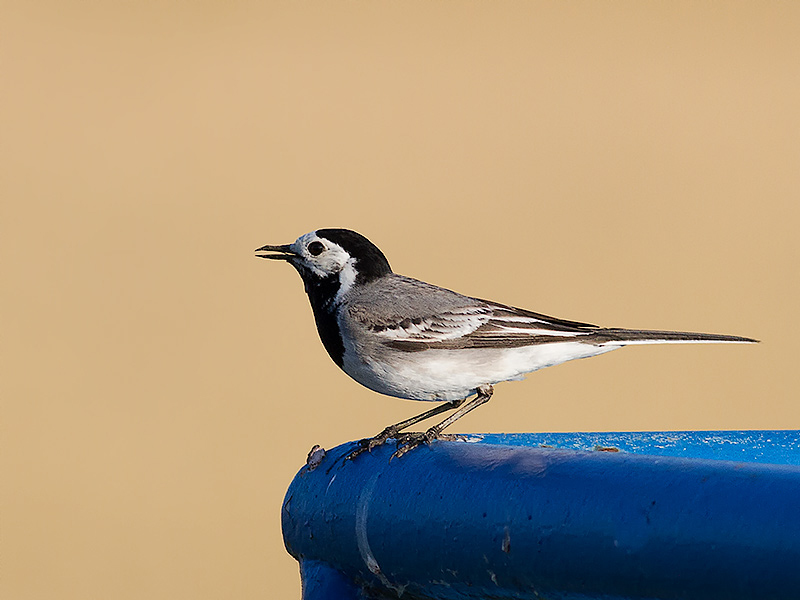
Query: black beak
(285, 252)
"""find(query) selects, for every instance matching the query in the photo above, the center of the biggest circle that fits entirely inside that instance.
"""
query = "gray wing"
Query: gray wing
(407, 314)
(412, 315)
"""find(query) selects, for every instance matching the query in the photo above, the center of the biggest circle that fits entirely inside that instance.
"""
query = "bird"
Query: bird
(410, 339)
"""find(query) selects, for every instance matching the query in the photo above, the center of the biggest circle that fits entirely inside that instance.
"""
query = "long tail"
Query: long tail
(643, 336)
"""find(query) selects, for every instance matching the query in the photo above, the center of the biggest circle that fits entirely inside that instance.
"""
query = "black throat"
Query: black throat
(322, 295)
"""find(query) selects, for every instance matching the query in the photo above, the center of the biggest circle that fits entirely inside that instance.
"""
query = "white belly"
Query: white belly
(436, 375)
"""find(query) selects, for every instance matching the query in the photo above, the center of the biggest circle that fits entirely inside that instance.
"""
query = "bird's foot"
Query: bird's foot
(367, 444)
(405, 441)
(408, 441)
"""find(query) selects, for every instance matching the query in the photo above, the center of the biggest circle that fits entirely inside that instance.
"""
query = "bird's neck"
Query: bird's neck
(322, 294)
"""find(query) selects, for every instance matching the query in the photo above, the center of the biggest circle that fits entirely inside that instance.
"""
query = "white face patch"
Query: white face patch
(331, 260)
(347, 277)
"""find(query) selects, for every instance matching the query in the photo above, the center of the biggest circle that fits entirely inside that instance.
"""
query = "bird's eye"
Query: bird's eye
(315, 248)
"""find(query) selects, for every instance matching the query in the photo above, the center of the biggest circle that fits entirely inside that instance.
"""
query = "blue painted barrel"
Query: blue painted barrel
(668, 515)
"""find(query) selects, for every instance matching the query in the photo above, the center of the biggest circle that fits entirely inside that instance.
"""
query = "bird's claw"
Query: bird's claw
(408, 441)
(405, 441)
(367, 444)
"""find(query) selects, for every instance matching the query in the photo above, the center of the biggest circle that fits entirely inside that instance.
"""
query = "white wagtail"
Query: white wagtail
(406, 338)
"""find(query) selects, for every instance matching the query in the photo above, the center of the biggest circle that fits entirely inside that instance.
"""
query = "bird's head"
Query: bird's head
(331, 254)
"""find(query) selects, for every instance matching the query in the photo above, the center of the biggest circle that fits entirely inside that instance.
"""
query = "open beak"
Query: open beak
(284, 252)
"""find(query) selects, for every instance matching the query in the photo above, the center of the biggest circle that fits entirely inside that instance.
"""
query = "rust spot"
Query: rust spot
(315, 456)
(606, 449)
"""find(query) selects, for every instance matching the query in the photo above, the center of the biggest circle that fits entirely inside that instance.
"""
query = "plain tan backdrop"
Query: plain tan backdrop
(626, 164)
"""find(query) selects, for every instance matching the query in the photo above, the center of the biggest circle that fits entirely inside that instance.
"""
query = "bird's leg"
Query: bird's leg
(414, 440)
(392, 430)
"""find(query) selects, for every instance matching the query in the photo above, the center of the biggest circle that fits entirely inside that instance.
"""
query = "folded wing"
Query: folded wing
(442, 319)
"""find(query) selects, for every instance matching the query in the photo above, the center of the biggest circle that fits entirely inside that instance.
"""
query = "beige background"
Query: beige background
(627, 164)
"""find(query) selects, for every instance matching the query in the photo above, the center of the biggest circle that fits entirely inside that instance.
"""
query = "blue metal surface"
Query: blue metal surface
(780, 447)
(320, 580)
(502, 517)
